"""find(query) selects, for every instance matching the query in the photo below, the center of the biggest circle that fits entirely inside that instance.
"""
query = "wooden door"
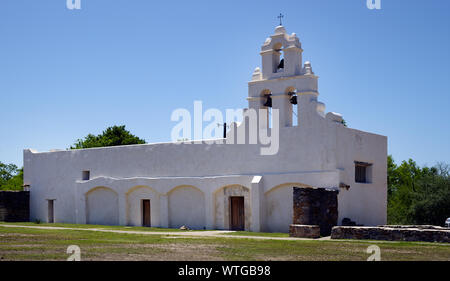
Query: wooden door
(237, 216)
(146, 221)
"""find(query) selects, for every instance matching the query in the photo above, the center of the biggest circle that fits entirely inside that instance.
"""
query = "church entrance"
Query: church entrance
(237, 217)
(146, 221)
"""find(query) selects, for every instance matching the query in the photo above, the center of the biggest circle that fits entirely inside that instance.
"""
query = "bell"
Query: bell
(268, 102)
(281, 65)
(293, 100)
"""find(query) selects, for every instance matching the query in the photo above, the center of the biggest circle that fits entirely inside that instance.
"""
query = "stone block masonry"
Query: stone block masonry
(393, 233)
(14, 206)
(304, 231)
(316, 206)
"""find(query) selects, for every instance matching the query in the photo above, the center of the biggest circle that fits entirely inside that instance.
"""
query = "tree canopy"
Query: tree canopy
(11, 178)
(418, 195)
(112, 136)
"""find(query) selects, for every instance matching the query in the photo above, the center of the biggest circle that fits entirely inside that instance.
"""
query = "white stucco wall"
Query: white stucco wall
(278, 207)
(134, 205)
(102, 206)
(322, 165)
(364, 203)
(187, 207)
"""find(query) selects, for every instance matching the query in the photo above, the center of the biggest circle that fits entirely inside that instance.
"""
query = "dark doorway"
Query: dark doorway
(146, 221)
(51, 211)
(237, 216)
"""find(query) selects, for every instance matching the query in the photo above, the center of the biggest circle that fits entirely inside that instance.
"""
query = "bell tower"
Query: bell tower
(283, 82)
(279, 44)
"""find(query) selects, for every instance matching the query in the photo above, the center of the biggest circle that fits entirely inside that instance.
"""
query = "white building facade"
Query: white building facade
(222, 186)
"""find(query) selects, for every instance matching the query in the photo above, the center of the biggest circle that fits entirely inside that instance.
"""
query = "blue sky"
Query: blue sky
(66, 73)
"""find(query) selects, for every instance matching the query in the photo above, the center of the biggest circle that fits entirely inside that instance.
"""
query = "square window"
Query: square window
(363, 172)
(86, 175)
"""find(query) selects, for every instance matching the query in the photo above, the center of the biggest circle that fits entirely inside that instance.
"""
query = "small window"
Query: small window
(86, 175)
(51, 211)
(362, 172)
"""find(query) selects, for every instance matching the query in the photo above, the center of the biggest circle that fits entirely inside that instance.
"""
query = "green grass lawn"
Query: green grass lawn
(43, 244)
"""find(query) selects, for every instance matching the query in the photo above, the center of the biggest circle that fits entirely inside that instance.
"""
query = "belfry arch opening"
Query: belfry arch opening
(267, 104)
(293, 100)
(278, 62)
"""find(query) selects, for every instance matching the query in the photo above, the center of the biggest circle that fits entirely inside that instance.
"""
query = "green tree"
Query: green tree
(393, 177)
(431, 203)
(7, 171)
(15, 183)
(112, 136)
(11, 178)
(418, 195)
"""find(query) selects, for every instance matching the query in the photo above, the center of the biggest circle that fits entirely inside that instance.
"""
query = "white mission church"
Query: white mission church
(222, 186)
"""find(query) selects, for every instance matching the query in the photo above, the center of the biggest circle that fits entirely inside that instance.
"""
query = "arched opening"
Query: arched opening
(267, 104)
(278, 58)
(187, 207)
(142, 207)
(102, 206)
(292, 92)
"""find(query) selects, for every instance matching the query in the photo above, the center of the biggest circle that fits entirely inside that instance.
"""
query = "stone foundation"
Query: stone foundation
(316, 206)
(14, 206)
(393, 233)
(304, 231)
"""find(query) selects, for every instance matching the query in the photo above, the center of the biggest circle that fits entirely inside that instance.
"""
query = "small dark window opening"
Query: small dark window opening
(362, 172)
(51, 211)
(86, 175)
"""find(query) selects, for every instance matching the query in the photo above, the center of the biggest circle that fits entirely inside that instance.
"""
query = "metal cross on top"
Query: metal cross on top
(280, 17)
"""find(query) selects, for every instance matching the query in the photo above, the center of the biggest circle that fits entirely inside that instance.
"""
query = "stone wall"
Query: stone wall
(14, 206)
(304, 231)
(393, 233)
(316, 206)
